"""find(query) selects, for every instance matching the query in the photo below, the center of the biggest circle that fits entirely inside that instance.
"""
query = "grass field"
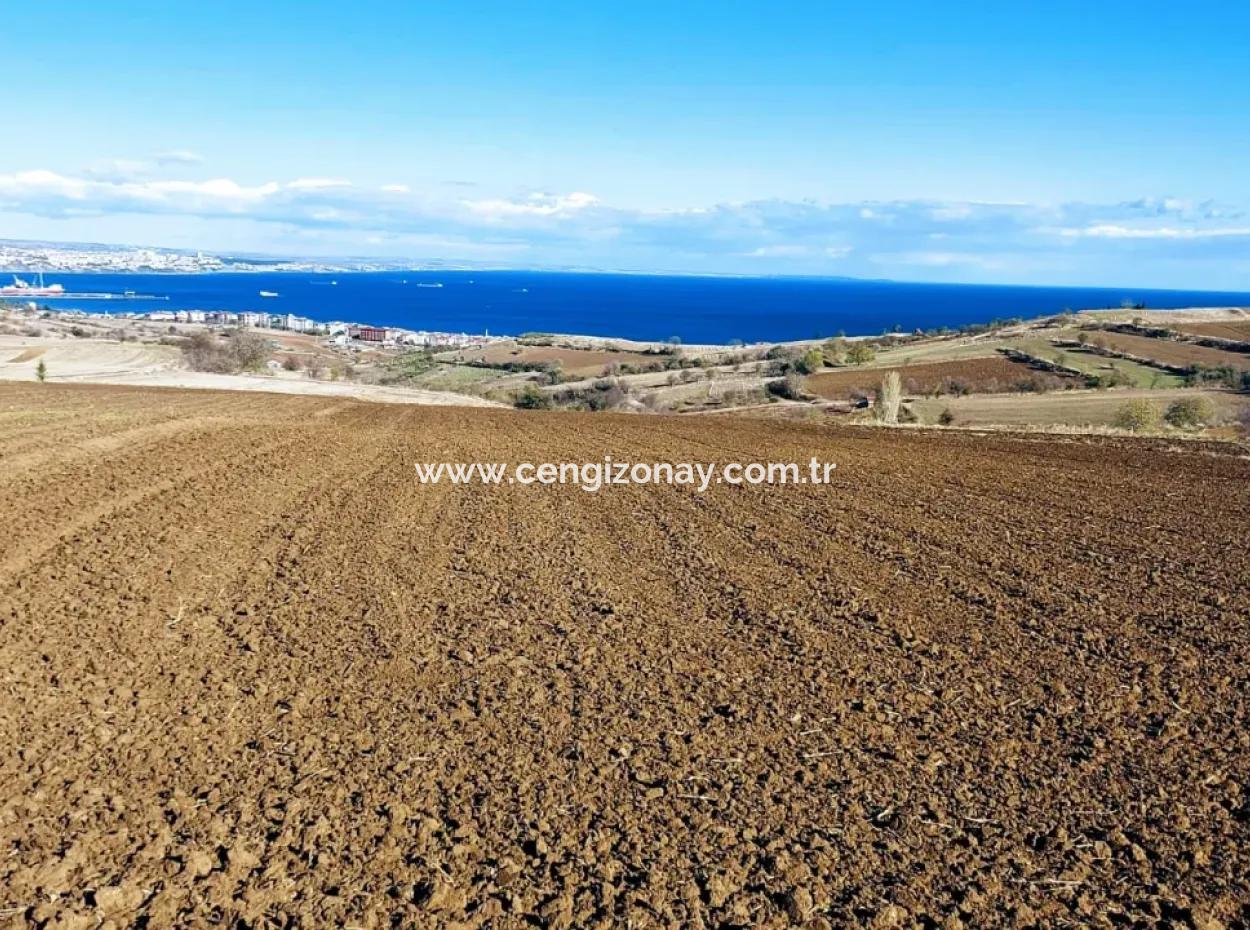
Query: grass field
(1090, 363)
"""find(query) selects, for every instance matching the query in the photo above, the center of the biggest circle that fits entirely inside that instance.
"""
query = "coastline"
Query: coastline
(650, 309)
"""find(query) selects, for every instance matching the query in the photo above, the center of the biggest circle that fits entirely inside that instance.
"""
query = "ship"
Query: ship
(268, 293)
(36, 288)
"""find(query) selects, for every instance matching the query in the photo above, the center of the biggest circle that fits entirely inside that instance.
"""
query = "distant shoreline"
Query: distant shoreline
(641, 308)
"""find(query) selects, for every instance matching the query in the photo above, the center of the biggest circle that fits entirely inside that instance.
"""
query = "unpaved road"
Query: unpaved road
(254, 675)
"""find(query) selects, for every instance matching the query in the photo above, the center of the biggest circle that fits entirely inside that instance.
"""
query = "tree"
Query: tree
(1138, 416)
(1190, 413)
(41, 371)
(889, 398)
(810, 361)
(835, 349)
(860, 354)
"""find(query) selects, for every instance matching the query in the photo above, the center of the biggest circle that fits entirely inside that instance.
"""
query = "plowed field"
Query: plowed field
(255, 675)
(1236, 330)
(1179, 354)
(974, 375)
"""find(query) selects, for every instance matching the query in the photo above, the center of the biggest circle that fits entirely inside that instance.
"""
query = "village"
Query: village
(337, 333)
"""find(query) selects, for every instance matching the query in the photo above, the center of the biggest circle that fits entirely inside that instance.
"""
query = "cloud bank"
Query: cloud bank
(1194, 243)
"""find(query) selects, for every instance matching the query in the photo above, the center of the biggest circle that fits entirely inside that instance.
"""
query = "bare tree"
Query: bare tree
(889, 398)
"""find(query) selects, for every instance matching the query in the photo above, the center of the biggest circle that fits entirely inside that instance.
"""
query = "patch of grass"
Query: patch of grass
(1132, 374)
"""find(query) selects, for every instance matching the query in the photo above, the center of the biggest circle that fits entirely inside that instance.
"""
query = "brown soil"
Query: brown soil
(256, 676)
(1169, 352)
(1236, 331)
(973, 375)
(573, 361)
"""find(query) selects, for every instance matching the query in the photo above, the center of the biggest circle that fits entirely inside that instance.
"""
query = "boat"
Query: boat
(435, 284)
(268, 293)
(37, 288)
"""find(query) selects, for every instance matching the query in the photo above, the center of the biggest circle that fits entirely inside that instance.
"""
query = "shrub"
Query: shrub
(1224, 375)
(810, 361)
(789, 387)
(1190, 413)
(956, 386)
(861, 353)
(1138, 416)
(531, 398)
(946, 417)
(240, 351)
(290, 363)
(889, 398)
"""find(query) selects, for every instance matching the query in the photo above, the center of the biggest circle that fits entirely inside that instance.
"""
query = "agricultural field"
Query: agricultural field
(1068, 408)
(1170, 352)
(974, 375)
(1099, 366)
(1235, 330)
(588, 362)
(256, 675)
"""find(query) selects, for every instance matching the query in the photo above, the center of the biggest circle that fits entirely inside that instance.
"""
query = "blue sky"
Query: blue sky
(1038, 143)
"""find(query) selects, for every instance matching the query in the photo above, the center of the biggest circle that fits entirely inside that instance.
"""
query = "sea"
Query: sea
(694, 309)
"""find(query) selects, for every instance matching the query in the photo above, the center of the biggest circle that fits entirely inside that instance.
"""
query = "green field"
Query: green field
(1089, 363)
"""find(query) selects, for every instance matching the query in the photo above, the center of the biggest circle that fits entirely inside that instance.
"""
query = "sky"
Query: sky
(1060, 143)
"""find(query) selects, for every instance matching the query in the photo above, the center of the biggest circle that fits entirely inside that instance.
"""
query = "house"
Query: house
(369, 333)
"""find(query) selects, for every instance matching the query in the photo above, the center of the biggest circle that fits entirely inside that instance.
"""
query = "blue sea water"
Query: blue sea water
(649, 307)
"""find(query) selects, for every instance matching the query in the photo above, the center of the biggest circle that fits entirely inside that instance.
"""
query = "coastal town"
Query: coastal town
(336, 333)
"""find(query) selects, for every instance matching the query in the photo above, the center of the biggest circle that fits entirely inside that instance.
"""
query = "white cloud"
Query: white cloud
(178, 157)
(316, 184)
(1112, 231)
(534, 205)
(779, 251)
(940, 238)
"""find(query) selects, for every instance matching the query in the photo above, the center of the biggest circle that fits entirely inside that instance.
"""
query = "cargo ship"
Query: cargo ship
(36, 288)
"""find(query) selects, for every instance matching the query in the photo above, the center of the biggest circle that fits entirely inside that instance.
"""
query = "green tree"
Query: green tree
(41, 371)
(1138, 416)
(1190, 413)
(810, 361)
(860, 353)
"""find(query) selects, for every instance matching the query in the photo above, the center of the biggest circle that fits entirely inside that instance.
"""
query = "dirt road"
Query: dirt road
(254, 675)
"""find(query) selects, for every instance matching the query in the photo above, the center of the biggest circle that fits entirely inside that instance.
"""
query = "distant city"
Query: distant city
(27, 256)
